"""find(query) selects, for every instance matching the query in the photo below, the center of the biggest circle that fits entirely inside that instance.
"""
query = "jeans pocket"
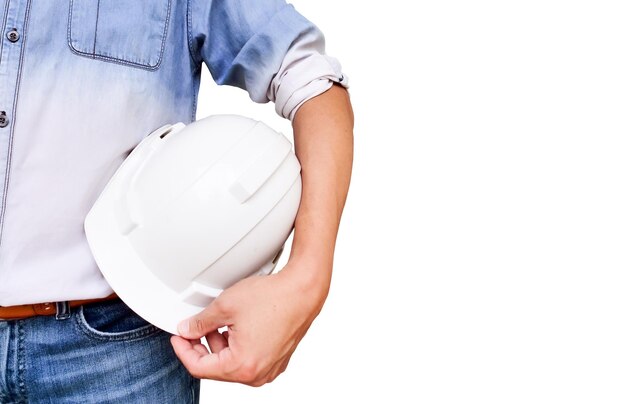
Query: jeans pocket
(131, 33)
(112, 321)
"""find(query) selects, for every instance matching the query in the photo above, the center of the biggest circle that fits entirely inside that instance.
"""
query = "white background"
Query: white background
(481, 255)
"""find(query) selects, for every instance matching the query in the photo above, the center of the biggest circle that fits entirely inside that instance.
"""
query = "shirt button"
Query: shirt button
(13, 35)
(4, 121)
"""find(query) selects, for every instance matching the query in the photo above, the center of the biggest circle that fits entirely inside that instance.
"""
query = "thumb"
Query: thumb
(201, 324)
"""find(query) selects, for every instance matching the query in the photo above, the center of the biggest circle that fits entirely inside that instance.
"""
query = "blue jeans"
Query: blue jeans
(102, 353)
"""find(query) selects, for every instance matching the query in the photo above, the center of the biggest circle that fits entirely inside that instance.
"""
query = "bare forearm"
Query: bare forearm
(324, 143)
(280, 308)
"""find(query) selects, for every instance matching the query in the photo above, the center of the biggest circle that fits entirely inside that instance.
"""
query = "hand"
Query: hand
(266, 316)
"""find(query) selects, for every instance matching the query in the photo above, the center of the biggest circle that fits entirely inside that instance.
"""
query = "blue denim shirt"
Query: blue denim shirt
(83, 81)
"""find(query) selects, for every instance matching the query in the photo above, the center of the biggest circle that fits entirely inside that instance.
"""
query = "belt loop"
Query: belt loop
(63, 311)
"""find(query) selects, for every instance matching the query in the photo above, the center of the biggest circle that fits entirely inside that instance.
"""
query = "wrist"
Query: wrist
(310, 275)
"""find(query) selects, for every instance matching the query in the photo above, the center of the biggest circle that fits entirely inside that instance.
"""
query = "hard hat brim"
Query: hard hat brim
(132, 280)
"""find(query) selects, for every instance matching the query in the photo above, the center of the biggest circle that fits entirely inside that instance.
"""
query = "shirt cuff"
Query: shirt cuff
(304, 73)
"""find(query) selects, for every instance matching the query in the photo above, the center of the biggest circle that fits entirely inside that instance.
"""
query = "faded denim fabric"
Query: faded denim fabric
(102, 353)
(87, 79)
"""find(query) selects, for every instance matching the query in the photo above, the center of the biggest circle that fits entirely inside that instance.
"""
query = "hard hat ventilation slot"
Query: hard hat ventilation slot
(167, 132)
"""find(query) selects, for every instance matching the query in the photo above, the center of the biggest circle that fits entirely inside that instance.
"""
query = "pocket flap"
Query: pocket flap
(127, 32)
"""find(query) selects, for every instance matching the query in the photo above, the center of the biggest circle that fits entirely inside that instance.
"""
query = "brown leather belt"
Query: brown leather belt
(43, 309)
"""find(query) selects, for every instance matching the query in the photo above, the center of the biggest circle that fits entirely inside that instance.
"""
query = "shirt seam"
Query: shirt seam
(192, 50)
(4, 27)
(118, 60)
(95, 35)
(16, 95)
(195, 97)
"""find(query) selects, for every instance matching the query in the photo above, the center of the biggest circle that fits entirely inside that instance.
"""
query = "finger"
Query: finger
(199, 346)
(199, 364)
(209, 319)
(208, 366)
(186, 350)
(216, 341)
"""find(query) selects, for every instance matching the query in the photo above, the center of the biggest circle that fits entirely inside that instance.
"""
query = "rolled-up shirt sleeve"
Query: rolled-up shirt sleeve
(264, 47)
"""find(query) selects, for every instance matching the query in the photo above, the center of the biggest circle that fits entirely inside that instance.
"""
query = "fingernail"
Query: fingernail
(183, 327)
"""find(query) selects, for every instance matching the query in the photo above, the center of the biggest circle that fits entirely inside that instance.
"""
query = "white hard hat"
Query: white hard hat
(192, 210)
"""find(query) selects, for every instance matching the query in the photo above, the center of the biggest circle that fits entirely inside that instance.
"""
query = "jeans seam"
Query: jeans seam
(21, 361)
(193, 393)
(195, 390)
(133, 335)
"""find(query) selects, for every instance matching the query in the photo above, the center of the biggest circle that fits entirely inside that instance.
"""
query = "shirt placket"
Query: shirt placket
(14, 14)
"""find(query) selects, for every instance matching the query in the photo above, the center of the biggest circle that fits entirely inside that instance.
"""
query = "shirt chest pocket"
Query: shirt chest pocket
(132, 33)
